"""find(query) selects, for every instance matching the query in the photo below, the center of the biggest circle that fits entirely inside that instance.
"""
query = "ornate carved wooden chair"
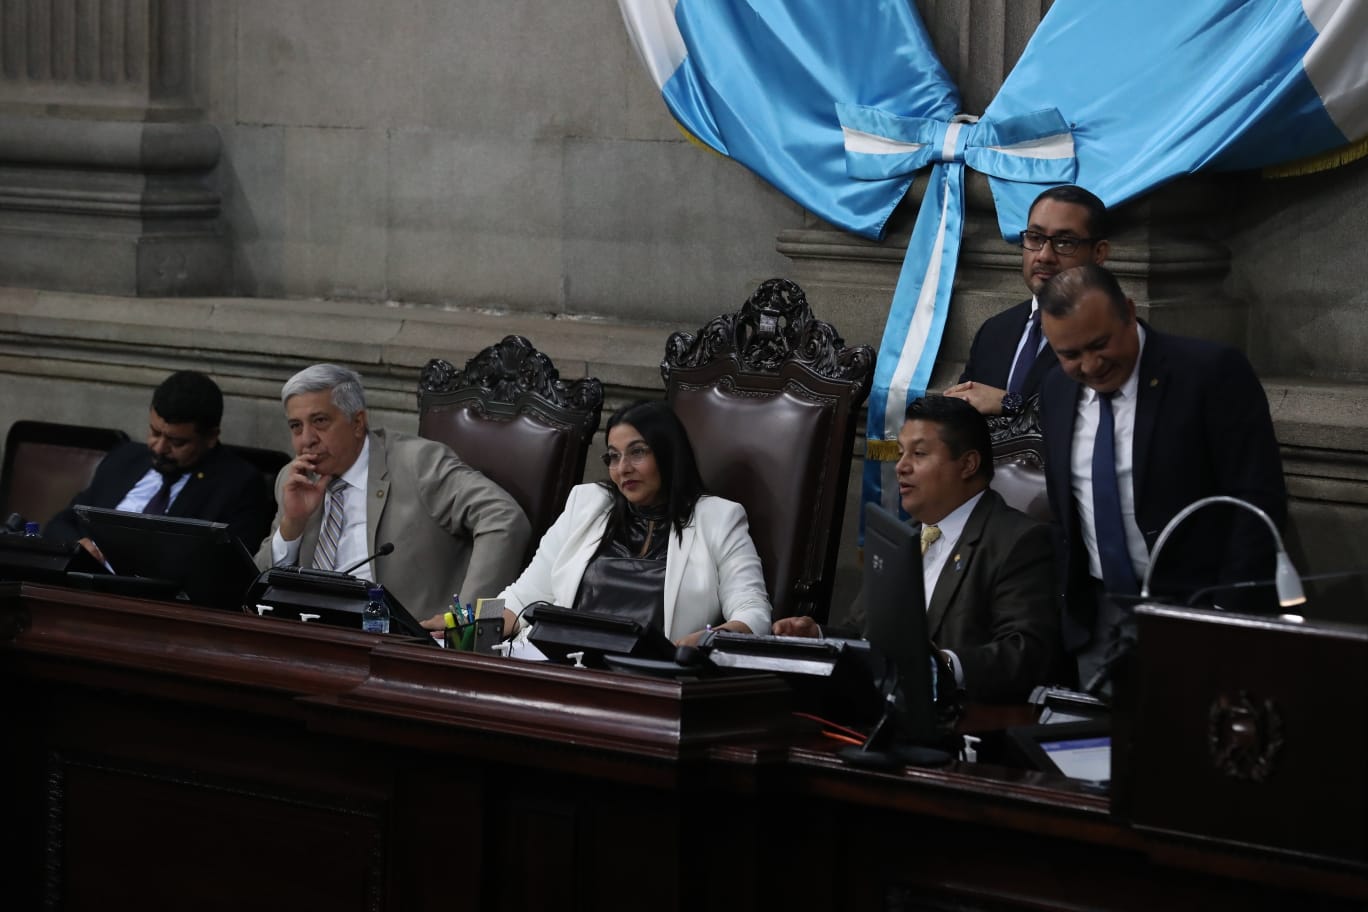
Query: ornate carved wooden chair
(770, 397)
(1019, 463)
(508, 414)
(48, 464)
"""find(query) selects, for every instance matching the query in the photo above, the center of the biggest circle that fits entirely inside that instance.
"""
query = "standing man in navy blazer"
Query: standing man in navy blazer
(1188, 419)
(1066, 227)
(181, 471)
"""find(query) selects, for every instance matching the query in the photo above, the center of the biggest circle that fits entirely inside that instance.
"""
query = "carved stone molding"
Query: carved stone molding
(96, 52)
(111, 206)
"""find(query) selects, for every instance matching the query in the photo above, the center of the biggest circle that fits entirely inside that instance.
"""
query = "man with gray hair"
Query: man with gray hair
(351, 489)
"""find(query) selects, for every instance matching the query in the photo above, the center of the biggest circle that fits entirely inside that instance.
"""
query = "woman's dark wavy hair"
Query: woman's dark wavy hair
(663, 432)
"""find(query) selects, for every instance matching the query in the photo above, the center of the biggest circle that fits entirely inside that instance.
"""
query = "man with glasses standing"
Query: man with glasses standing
(1066, 227)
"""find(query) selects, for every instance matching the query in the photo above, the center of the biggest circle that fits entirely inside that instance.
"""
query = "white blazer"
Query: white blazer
(713, 575)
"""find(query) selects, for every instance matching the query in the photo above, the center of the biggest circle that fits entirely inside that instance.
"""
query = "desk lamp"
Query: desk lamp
(1285, 578)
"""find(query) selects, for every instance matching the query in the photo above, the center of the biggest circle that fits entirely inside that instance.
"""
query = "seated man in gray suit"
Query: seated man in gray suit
(989, 583)
(351, 489)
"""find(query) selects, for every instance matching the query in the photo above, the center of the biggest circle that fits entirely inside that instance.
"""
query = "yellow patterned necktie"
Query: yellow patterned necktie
(929, 535)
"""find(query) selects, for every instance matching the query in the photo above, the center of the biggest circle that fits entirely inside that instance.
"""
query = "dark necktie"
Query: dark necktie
(1026, 357)
(162, 499)
(1118, 574)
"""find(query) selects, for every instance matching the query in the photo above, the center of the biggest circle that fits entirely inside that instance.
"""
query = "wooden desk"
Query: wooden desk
(162, 757)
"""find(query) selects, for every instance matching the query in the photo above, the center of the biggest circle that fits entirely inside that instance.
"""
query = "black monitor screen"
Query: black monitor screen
(171, 556)
(895, 616)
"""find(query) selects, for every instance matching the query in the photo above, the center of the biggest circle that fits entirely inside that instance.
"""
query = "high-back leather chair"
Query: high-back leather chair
(267, 461)
(48, 464)
(508, 414)
(1019, 463)
(770, 397)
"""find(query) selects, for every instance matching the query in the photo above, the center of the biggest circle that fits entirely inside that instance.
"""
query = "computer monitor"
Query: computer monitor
(895, 626)
(170, 557)
(1078, 750)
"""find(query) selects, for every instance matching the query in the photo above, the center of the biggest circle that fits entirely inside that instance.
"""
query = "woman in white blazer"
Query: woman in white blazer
(649, 544)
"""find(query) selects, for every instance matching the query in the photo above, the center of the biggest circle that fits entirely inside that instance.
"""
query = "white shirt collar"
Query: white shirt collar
(952, 526)
(357, 475)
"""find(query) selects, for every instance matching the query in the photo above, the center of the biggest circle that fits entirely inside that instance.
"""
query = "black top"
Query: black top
(627, 574)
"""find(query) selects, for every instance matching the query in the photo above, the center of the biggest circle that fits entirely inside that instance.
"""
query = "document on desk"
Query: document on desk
(522, 648)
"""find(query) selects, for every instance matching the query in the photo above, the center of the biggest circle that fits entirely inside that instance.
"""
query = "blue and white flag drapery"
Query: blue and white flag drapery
(758, 81)
(838, 105)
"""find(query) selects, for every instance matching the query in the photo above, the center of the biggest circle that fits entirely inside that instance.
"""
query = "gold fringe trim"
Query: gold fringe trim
(881, 450)
(1323, 162)
(695, 140)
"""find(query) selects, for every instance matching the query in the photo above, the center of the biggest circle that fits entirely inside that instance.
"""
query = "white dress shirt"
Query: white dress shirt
(141, 494)
(1084, 438)
(351, 547)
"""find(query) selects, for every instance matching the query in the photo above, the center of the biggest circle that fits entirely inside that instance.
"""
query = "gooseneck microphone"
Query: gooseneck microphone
(386, 548)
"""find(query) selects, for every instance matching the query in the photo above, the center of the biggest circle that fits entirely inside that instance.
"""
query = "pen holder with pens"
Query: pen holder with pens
(475, 630)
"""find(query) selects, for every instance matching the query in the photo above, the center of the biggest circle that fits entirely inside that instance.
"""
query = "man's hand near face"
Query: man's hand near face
(301, 496)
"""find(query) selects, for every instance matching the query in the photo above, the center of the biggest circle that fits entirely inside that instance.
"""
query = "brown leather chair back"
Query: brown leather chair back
(770, 397)
(267, 461)
(48, 464)
(1019, 465)
(509, 415)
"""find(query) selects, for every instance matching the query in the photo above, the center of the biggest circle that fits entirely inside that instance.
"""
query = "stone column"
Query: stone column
(105, 164)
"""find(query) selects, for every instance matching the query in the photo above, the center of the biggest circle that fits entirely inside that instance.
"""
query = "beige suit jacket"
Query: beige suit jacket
(453, 530)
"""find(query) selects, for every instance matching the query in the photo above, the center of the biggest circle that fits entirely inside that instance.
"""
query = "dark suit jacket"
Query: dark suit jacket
(1202, 428)
(993, 605)
(994, 349)
(222, 488)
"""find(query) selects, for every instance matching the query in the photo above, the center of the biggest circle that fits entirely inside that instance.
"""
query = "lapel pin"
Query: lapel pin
(1154, 381)
(199, 475)
(959, 563)
(380, 492)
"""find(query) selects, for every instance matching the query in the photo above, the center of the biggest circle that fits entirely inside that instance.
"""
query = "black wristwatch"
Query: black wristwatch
(1012, 403)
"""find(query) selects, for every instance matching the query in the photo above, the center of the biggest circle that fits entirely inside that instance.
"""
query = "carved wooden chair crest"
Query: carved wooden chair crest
(508, 414)
(770, 397)
(1019, 461)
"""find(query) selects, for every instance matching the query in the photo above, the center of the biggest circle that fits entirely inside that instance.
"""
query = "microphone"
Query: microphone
(386, 548)
(15, 523)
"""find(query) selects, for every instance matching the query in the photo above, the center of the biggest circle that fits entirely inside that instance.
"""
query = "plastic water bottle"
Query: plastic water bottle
(31, 529)
(376, 617)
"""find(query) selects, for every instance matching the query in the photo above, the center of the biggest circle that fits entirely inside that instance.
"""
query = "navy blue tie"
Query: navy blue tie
(162, 499)
(1118, 574)
(1026, 357)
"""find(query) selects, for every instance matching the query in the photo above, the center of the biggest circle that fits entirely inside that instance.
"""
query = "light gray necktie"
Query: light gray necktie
(325, 555)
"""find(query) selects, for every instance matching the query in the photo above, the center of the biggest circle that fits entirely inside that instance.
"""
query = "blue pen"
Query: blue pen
(470, 613)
